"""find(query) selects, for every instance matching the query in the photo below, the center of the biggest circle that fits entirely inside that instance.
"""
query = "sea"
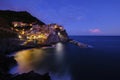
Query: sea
(70, 62)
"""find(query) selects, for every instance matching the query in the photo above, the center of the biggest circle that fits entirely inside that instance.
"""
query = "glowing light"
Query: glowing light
(30, 24)
(23, 24)
(16, 30)
(15, 25)
(59, 33)
(20, 36)
(55, 26)
(61, 28)
(59, 47)
(22, 32)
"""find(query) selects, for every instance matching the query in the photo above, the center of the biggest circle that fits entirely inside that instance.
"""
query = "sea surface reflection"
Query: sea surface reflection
(69, 62)
(43, 60)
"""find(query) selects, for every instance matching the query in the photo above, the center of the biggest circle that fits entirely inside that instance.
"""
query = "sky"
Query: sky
(79, 17)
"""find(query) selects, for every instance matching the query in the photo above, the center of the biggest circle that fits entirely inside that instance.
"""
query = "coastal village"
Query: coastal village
(39, 34)
(26, 30)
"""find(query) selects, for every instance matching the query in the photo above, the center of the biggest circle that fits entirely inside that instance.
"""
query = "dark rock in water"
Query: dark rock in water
(25, 76)
(6, 63)
(79, 44)
(5, 76)
(31, 76)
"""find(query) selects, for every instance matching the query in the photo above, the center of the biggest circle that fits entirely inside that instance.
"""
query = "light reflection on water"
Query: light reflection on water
(42, 61)
(59, 52)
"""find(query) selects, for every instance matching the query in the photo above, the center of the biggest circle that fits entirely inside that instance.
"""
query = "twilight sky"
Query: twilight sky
(79, 17)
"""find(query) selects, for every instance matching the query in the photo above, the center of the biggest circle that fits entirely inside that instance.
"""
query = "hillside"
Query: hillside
(7, 17)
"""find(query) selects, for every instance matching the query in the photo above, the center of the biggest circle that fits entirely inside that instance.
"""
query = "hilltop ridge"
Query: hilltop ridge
(7, 17)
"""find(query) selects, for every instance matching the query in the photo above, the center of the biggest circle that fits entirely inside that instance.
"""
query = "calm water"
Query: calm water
(69, 62)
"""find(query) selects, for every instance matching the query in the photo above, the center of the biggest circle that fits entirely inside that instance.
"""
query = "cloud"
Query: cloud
(95, 30)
